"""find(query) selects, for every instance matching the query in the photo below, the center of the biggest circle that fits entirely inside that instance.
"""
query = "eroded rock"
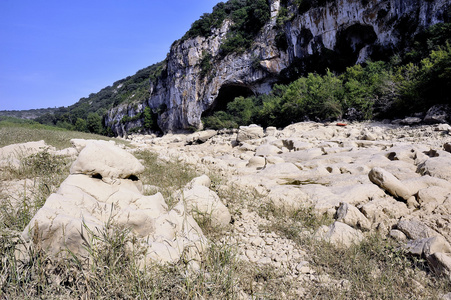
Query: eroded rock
(340, 234)
(203, 202)
(389, 183)
(84, 205)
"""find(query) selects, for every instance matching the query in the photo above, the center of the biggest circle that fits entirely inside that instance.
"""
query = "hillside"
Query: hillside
(27, 114)
(259, 50)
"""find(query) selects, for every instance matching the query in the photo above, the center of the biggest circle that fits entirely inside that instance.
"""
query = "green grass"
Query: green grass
(13, 131)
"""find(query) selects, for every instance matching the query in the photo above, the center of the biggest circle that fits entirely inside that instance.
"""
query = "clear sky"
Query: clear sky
(53, 52)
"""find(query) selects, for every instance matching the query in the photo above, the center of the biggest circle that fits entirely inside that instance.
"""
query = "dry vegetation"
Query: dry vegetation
(375, 269)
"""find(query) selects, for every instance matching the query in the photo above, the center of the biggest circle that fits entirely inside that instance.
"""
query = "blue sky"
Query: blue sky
(52, 53)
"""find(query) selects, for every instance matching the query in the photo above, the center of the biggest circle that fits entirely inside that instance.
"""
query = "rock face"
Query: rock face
(355, 29)
(103, 188)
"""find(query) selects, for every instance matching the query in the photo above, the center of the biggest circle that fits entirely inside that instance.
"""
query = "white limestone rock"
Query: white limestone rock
(105, 159)
(250, 132)
(203, 202)
(390, 183)
(439, 167)
(351, 216)
(256, 162)
(339, 234)
(11, 155)
(266, 150)
(83, 205)
(201, 136)
(287, 198)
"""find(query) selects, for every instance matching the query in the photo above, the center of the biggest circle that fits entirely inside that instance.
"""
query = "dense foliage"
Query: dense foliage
(87, 114)
(247, 16)
(408, 84)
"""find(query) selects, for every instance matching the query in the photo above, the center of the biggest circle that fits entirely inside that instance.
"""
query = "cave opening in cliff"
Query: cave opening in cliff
(351, 40)
(227, 94)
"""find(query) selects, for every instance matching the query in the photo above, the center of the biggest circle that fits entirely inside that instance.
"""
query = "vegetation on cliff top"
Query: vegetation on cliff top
(247, 16)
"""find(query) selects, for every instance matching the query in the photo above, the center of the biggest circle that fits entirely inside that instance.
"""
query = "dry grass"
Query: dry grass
(164, 177)
(377, 268)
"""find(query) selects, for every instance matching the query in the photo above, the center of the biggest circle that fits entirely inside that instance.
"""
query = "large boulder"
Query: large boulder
(104, 160)
(250, 132)
(415, 229)
(389, 183)
(203, 202)
(84, 204)
(339, 234)
(200, 137)
(351, 216)
(428, 246)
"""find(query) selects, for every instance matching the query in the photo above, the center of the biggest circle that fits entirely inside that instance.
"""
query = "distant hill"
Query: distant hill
(29, 114)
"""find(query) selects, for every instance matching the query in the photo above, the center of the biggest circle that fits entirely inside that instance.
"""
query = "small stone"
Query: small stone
(257, 242)
(398, 235)
(264, 261)
(302, 264)
(250, 253)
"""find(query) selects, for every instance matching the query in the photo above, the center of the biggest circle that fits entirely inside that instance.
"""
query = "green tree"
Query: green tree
(80, 125)
(148, 118)
(242, 109)
(94, 123)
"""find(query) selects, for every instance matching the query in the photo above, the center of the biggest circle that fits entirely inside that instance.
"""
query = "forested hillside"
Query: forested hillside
(87, 114)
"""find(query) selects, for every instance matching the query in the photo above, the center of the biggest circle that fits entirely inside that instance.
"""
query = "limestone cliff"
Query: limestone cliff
(342, 32)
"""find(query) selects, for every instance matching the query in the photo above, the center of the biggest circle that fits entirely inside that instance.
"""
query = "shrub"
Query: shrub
(205, 64)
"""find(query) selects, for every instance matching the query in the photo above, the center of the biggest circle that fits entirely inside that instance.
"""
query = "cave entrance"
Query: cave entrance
(351, 40)
(227, 94)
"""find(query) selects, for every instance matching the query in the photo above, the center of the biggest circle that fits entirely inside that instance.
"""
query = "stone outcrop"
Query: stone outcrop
(103, 188)
(356, 30)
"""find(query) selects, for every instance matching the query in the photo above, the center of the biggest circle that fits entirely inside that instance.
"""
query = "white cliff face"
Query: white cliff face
(380, 22)
(353, 28)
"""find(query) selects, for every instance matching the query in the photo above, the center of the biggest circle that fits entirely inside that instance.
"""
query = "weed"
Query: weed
(168, 176)
(377, 268)
(41, 173)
